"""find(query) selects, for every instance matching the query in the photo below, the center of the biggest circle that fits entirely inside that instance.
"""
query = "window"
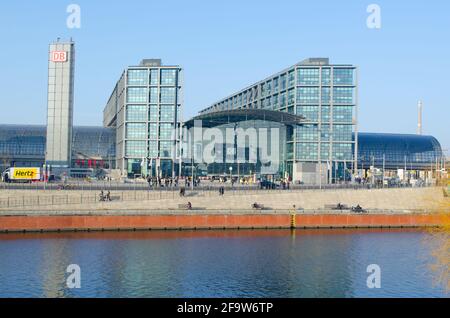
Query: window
(153, 77)
(165, 148)
(307, 132)
(153, 113)
(310, 112)
(325, 151)
(307, 151)
(326, 76)
(343, 95)
(168, 95)
(269, 87)
(343, 76)
(342, 132)
(308, 76)
(342, 151)
(326, 97)
(283, 81)
(153, 95)
(166, 131)
(135, 148)
(137, 95)
(325, 113)
(275, 101)
(291, 96)
(308, 95)
(153, 131)
(325, 132)
(168, 77)
(168, 113)
(343, 114)
(137, 77)
(136, 113)
(291, 78)
(263, 89)
(275, 84)
(153, 149)
(136, 131)
(283, 100)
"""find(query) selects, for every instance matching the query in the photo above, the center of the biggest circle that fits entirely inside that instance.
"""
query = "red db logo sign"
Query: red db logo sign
(59, 56)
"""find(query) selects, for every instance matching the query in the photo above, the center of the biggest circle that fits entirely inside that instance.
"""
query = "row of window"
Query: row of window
(305, 95)
(311, 76)
(397, 156)
(311, 95)
(152, 113)
(165, 95)
(310, 151)
(277, 84)
(142, 149)
(144, 77)
(141, 131)
(341, 114)
(311, 132)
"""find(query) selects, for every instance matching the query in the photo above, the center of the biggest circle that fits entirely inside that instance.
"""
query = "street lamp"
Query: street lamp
(231, 170)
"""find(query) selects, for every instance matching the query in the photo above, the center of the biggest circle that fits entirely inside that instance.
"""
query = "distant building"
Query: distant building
(145, 109)
(93, 148)
(61, 65)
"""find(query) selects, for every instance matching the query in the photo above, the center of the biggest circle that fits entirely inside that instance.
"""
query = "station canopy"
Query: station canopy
(218, 118)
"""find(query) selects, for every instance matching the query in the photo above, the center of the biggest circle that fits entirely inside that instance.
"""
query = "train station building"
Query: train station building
(300, 124)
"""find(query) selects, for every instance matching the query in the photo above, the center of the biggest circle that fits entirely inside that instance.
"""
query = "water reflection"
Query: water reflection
(241, 263)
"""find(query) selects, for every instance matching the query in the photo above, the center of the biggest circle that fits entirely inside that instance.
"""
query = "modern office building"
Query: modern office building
(93, 148)
(61, 66)
(322, 96)
(145, 109)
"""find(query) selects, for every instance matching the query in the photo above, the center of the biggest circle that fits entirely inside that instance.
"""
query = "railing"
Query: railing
(91, 195)
(109, 185)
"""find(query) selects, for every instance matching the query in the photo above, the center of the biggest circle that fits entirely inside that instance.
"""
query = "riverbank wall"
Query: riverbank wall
(208, 220)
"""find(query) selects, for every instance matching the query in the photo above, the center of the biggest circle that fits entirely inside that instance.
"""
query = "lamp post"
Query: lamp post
(231, 178)
(192, 174)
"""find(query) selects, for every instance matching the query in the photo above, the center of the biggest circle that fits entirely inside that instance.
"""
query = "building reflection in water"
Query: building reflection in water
(231, 263)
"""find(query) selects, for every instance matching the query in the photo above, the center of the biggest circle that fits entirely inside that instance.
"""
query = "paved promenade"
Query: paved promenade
(140, 201)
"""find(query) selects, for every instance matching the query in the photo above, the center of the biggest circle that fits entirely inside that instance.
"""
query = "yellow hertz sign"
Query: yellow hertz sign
(26, 173)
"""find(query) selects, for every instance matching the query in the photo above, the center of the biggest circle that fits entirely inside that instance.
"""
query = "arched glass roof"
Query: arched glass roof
(28, 141)
(416, 151)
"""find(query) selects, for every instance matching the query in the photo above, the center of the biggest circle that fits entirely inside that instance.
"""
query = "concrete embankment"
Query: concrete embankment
(205, 220)
(386, 208)
(387, 199)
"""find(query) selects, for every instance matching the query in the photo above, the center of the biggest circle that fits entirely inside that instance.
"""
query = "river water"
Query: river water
(231, 263)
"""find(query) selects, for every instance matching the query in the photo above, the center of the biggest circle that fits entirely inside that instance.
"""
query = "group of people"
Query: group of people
(104, 197)
(162, 182)
(172, 182)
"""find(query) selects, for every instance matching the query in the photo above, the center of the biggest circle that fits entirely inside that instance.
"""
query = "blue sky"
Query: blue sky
(226, 45)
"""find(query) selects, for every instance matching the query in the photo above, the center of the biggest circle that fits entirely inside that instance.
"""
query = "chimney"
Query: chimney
(419, 118)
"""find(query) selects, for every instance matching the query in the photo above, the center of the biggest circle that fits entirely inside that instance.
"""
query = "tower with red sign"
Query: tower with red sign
(61, 63)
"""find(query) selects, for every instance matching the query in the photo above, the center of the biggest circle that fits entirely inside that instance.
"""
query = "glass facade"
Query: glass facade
(399, 151)
(150, 97)
(24, 146)
(324, 94)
